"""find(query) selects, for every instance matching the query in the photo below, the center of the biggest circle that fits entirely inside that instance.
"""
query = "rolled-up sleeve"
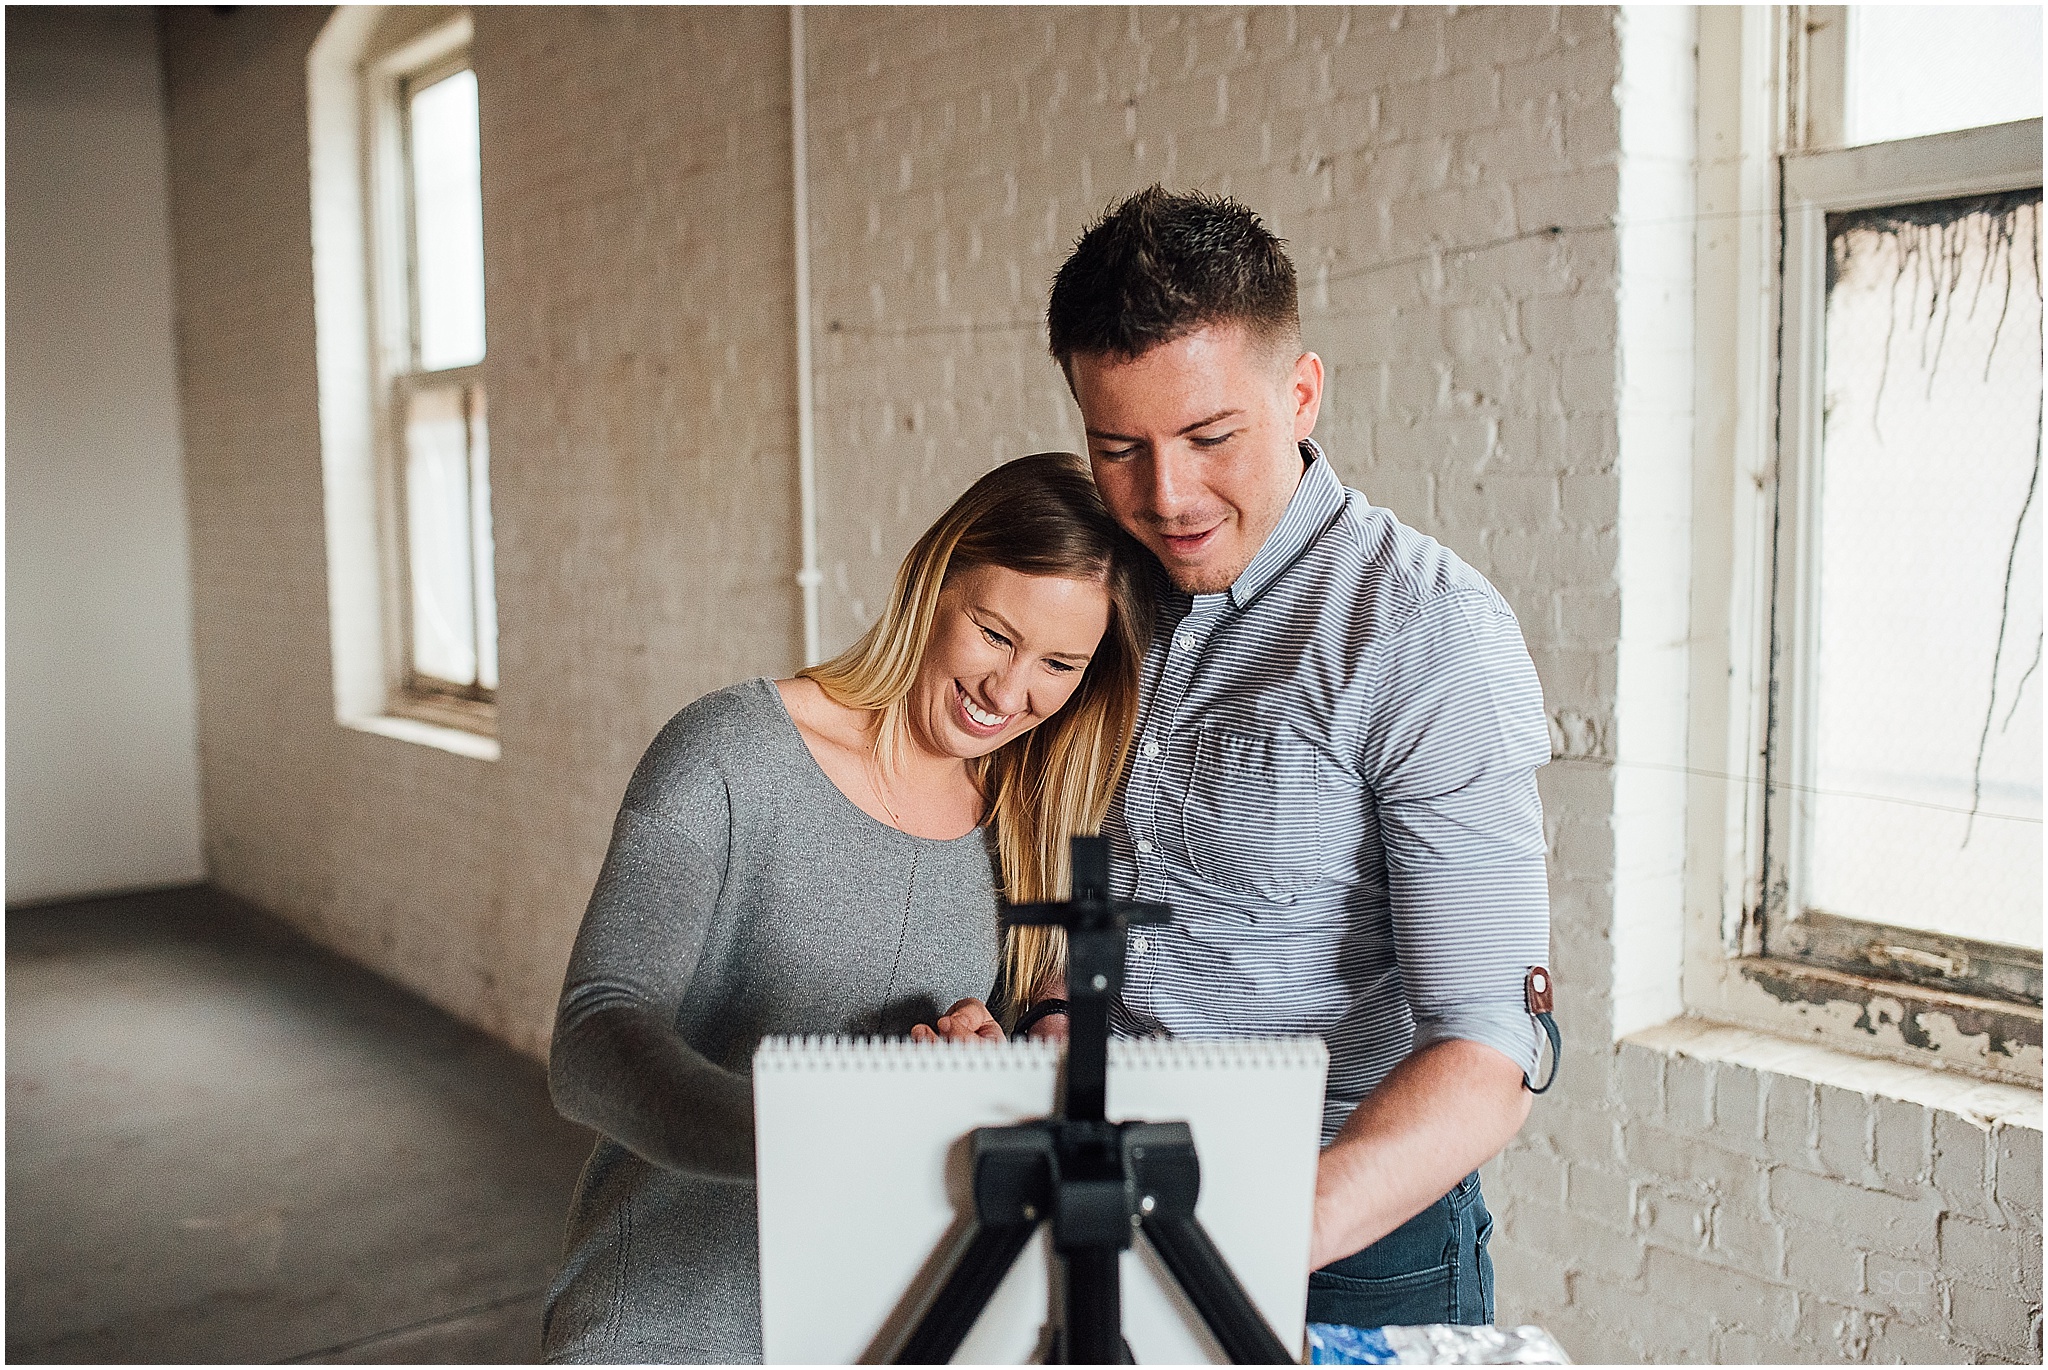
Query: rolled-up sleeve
(1451, 755)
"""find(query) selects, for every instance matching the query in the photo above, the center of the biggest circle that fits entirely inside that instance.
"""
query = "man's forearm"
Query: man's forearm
(1432, 1121)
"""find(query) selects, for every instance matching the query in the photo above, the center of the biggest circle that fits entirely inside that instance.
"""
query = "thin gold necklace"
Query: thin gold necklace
(875, 780)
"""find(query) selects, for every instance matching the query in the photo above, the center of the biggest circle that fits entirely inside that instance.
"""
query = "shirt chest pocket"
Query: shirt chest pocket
(1251, 821)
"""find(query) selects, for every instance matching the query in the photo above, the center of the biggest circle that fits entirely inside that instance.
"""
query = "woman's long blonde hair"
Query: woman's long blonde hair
(1039, 516)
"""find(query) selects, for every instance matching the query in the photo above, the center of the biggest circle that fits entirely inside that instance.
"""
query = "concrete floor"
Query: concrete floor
(224, 1144)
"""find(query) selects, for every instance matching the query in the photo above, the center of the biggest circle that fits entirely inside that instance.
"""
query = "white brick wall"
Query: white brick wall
(642, 437)
(1758, 1216)
(1660, 1205)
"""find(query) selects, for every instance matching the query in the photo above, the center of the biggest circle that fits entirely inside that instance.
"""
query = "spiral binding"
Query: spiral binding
(788, 1054)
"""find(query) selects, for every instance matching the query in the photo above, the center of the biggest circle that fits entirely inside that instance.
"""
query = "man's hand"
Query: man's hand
(1051, 1028)
(1432, 1121)
(967, 1021)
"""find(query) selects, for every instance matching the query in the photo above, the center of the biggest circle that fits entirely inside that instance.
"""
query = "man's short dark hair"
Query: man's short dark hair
(1162, 264)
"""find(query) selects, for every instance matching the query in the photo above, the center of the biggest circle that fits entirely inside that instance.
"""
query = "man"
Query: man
(1333, 782)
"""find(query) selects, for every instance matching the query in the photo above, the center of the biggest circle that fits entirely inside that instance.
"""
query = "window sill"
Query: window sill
(1916, 1026)
(1984, 1103)
(477, 716)
(460, 741)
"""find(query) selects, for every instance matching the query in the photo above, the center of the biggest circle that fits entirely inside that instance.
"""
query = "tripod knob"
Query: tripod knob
(1164, 1169)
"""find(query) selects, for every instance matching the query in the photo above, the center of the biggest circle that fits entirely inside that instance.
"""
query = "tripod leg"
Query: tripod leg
(969, 1284)
(1094, 1307)
(1205, 1277)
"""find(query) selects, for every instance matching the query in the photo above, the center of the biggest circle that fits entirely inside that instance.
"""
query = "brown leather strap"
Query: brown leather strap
(1538, 993)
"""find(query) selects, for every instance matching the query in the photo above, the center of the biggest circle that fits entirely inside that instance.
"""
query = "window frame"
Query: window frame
(1771, 169)
(389, 81)
(1816, 183)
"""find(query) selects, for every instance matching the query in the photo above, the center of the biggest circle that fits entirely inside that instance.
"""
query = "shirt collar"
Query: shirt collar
(1315, 502)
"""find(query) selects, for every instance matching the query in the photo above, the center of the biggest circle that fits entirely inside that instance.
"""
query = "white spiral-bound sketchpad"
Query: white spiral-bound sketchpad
(863, 1169)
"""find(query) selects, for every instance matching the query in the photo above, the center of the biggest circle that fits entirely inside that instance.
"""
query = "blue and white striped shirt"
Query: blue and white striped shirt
(1334, 786)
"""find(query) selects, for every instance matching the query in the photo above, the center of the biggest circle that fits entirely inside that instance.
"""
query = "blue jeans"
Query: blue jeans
(1432, 1268)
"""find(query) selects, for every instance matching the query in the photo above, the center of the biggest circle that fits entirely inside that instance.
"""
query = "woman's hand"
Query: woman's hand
(967, 1021)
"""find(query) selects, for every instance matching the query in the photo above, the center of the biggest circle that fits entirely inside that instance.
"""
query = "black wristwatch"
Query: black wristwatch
(1037, 1013)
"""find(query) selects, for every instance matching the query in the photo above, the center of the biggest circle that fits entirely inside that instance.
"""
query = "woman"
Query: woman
(812, 856)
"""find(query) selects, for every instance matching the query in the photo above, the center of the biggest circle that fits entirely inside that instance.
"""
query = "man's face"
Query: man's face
(1195, 445)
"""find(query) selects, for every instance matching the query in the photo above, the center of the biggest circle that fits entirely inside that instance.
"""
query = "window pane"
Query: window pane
(1928, 684)
(437, 490)
(448, 222)
(1919, 69)
(484, 554)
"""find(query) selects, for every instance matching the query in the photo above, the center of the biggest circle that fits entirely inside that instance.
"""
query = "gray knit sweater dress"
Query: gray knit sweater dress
(743, 896)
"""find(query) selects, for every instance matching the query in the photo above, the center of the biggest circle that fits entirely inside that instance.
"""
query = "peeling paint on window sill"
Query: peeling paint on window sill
(1908, 1024)
(1921, 1017)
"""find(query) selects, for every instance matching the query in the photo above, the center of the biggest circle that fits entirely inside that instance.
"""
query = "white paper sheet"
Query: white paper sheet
(863, 1173)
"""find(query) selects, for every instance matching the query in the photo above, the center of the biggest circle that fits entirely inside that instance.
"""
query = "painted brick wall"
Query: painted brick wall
(1682, 1208)
(639, 300)
(1518, 402)
(1448, 180)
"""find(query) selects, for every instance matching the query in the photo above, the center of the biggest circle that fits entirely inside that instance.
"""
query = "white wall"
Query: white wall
(102, 758)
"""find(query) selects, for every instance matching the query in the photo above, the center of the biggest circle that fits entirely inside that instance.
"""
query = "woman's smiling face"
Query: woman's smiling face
(1007, 650)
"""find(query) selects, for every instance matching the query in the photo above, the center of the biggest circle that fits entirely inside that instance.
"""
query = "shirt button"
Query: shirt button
(1140, 946)
(1144, 846)
(1151, 746)
(1183, 644)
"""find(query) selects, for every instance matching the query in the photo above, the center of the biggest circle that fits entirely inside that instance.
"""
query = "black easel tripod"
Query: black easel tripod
(1093, 1180)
